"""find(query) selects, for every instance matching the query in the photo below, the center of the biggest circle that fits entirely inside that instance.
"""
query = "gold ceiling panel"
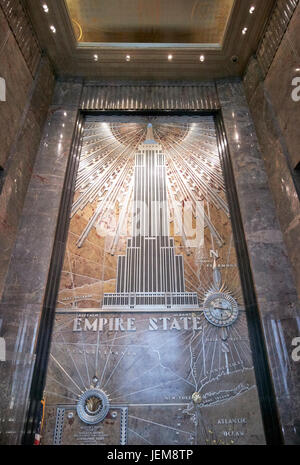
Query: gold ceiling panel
(150, 21)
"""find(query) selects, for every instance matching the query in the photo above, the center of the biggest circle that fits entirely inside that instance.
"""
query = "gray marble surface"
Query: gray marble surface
(23, 295)
(28, 95)
(20, 160)
(277, 120)
(18, 82)
(272, 273)
(278, 84)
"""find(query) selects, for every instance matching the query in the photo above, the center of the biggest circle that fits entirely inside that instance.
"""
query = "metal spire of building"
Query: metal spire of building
(150, 136)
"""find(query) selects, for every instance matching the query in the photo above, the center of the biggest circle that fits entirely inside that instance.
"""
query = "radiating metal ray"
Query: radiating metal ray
(64, 371)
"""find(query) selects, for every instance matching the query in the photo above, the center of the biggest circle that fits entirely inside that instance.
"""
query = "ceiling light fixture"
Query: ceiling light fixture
(96, 58)
(252, 9)
(170, 57)
(202, 58)
(53, 29)
(244, 30)
(45, 8)
(127, 58)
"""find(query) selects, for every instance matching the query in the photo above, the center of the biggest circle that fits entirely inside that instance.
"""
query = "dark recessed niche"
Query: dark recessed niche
(297, 178)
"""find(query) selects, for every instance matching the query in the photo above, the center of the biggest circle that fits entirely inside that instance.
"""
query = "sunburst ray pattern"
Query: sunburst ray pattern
(193, 170)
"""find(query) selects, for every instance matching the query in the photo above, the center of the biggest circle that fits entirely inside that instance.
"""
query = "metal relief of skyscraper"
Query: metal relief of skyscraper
(150, 274)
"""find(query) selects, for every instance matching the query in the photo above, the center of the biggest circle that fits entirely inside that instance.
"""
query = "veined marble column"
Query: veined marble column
(271, 269)
(23, 296)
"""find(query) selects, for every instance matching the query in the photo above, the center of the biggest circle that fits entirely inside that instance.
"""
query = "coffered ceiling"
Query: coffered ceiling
(149, 39)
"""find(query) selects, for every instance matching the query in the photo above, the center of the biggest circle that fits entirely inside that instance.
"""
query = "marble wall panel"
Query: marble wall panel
(20, 24)
(273, 279)
(277, 119)
(278, 84)
(22, 300)
(29, 87)
(19, 165)
(18, 83)
(279, 175)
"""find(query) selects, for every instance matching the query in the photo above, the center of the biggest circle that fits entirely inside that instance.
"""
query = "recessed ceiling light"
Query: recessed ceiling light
(45, 8)
(96, 58)
(170, 57)
(127, 58)
(65, 113)
(202, 58)
(252, 9)
(297, 69)
(53, 29)
(244, 30)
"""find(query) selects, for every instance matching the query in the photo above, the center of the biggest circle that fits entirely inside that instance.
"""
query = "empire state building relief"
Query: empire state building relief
(150, 342)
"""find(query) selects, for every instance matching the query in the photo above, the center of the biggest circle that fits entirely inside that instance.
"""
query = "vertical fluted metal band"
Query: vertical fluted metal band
(274, 32)
(149, 97)
(23, 32)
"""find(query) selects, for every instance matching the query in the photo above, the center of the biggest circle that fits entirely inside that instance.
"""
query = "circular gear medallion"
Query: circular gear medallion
(221, 309)
(93, 406)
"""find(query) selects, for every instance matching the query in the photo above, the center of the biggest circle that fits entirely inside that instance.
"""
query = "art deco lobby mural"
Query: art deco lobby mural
(150, 343)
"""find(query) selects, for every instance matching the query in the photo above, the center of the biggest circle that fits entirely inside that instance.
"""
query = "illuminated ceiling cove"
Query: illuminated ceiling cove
(150, 21)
